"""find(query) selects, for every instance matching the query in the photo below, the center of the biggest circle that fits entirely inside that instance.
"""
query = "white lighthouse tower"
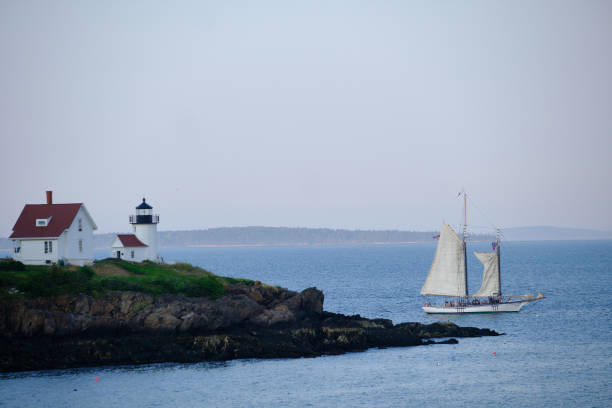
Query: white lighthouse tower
(144, 226)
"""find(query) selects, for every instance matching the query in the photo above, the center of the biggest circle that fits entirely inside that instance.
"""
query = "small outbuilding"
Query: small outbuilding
(129, 247)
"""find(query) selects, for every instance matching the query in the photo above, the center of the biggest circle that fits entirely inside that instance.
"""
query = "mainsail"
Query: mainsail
(447, 273)
(490, 275)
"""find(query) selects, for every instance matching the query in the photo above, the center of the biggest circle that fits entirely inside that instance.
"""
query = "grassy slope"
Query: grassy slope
(111, 274)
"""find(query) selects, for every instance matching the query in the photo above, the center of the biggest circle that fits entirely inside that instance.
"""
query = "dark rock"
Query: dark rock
(250, 322)
(312, 301)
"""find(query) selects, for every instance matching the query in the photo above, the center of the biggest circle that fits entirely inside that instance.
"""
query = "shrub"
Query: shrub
(247, 282)
(54, 280)
(9, 264)
(85, 273)
(163, 284)
(118, 283)
(203, 286)
(7, 278)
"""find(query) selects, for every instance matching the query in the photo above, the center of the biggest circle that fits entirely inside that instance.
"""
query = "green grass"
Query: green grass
(146, 277)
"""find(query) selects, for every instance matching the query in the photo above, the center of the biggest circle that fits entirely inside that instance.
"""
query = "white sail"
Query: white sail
(490, 274)
(447, 273)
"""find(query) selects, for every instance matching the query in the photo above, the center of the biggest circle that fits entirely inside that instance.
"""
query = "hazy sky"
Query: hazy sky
(369, 115)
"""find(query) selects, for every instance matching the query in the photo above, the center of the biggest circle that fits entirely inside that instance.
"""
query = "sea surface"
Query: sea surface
(555, 352)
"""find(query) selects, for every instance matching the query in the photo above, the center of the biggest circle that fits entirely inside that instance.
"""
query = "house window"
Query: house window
(80, 225)
(50, 246)
(80, 245)
(43, 222)
(132, 254)
(46, 247)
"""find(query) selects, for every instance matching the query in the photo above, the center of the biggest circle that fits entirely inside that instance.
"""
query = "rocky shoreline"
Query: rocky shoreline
(255, 321)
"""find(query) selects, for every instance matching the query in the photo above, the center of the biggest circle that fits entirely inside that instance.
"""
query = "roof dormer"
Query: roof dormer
(43, 222)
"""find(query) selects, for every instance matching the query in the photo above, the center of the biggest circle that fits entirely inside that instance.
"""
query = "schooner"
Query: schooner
(448, 277)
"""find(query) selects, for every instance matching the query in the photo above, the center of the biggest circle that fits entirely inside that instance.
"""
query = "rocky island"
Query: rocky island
(125, 313)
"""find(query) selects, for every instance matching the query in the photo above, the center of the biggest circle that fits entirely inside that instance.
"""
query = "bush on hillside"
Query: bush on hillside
(9, 264)
(56, 280)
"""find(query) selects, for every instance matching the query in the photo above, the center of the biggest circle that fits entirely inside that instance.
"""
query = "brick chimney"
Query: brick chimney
(49, 197)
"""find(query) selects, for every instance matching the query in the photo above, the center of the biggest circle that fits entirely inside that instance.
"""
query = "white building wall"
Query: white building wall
(71, 252)
(62, 242)
(147, 233)
(140, 253)
(32, 251)
(114, 252)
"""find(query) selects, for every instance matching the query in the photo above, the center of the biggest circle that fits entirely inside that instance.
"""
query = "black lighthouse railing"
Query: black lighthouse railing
(144, 219)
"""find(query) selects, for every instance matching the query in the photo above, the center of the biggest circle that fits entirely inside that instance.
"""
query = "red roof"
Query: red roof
(130, 240)
(61, 215)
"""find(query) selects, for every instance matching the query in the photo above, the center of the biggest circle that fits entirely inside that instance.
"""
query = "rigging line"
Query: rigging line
(460, 225)
(475, 226)
(483, 213)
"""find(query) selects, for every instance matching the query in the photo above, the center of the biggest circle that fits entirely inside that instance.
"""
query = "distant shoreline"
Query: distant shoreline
(301, 244)
(242, 237)
(334, 244)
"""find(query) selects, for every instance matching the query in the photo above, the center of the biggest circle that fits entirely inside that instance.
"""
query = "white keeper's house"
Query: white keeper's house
(142, 244)
(50, 233)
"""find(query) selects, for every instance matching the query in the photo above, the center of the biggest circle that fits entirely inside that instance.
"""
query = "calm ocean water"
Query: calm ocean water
(556, 352)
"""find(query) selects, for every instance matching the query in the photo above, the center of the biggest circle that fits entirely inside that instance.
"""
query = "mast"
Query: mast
(498, 261)
(467, 293)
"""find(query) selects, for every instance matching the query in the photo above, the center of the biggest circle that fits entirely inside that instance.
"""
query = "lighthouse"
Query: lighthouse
(144, 226)
(142, 244)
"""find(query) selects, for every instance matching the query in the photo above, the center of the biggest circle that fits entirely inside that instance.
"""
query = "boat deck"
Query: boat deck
(513, 306)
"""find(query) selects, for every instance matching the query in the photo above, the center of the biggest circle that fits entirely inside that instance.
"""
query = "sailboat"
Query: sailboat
(448, 277)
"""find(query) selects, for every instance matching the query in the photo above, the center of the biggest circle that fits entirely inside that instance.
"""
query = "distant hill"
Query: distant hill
(545, 233)
(278, 236)
(325, 236)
